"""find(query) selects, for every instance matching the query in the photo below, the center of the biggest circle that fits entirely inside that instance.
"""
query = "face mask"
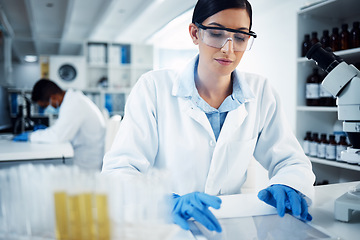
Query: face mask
(50, 110)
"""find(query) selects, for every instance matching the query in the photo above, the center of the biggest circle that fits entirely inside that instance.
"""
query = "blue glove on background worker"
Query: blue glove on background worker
(286, 200)
(196, 205)
(39, 126)
(22, 137)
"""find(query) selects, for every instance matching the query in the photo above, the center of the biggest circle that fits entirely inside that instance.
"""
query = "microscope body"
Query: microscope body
(343, 82)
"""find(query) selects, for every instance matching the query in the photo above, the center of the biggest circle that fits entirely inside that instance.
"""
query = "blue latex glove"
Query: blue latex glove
(23, 137)
(286, 199)
(39, 126)
(196, 205)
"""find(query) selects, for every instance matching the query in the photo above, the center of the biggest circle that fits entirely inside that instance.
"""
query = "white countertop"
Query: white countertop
(322, 212)
(15, 151)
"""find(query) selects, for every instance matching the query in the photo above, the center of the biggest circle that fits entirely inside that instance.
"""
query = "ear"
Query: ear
(194, 33)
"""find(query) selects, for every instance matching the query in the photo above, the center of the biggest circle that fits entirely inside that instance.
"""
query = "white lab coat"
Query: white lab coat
(169, 132)
(80, 122)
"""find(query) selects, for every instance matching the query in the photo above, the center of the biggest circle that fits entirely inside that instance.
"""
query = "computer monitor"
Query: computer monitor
(5, 118)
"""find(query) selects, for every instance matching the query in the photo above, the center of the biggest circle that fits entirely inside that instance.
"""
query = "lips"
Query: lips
(224, 61)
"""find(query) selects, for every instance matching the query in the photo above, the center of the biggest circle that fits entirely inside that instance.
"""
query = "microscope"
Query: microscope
(343, 82)
(23, 120)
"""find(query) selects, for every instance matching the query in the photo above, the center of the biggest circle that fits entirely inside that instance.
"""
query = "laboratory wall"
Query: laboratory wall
(274, 51)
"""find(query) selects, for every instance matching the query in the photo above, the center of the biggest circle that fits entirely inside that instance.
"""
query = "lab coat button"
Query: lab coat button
(212, 143)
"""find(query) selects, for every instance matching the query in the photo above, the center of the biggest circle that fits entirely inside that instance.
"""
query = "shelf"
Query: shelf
(331, 9)
(94, 65)
(335, 163)
(316, 109)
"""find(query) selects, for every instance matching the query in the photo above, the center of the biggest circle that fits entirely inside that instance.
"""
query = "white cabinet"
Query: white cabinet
(319, 17)
(122, 65)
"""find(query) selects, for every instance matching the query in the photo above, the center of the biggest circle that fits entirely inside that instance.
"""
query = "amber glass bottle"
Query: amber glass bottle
(306, 143)
(313, 88)
(344, 37)
(335, 40)
(322, 146)
(331, 148)
(314, 145)
(341, 146)
(306, 45)
(325, 39)
(314, 38)
(355, 36)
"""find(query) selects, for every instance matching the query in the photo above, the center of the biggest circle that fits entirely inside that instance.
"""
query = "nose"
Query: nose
(228, 46)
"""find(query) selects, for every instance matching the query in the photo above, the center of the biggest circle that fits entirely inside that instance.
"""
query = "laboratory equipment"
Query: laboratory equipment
(343, 82)
(23, 120)
(5, 119)
(347, 203)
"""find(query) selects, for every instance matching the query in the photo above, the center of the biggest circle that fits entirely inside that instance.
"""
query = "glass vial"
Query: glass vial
(314, 145)
(325, 39)
(335, 40)
(355, 35)
(306, 45)
(331, 148)
(322, 146)
(313, 88)
(306, 143)
(344, 37)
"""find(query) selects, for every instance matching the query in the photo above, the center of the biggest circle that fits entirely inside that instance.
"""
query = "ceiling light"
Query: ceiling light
(30, 58)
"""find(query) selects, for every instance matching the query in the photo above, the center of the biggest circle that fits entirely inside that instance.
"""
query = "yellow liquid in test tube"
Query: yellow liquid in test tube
(103, 222)
(86, 216)
(61, 215)
(74, 218)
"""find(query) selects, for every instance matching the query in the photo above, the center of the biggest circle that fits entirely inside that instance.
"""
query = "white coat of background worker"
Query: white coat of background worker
(79, 121)
(204, 124)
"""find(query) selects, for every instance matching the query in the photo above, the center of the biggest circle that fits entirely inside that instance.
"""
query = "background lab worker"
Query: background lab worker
(204, 124)
(79, 121)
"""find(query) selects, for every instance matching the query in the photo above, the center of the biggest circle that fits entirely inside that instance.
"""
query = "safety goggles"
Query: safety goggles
(217, 37)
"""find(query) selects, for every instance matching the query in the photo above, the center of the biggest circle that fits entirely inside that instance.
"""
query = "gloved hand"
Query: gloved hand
(196, 205)
(21, 137)
(285, 199)
(39, 126)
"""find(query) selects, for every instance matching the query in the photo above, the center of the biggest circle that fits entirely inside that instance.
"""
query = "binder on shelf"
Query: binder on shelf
(97, 53)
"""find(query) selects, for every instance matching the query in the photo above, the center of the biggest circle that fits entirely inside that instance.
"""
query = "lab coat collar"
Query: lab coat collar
(185, 83)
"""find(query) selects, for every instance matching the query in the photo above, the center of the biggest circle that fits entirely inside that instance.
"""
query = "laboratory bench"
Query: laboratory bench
(253, 222)
(15, 153)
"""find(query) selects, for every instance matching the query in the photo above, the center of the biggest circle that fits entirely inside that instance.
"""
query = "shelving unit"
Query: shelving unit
(122, 65)
(323, 16)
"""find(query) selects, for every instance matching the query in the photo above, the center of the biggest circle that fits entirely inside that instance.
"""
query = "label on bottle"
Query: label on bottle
(312, 90)
(321, 150)
(339, 148)
(306, 147)
(330, 152)
(324, 93)
(313, 149)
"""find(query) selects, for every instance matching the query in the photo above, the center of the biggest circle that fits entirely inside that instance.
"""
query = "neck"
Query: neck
(213, 89)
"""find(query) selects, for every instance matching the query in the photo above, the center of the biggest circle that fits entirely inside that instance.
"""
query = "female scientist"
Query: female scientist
(204, 124)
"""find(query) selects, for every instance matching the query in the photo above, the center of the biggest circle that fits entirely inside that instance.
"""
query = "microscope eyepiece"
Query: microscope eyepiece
(325, 59)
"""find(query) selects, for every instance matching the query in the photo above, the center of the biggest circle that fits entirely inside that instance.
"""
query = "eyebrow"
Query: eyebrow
(222, 26)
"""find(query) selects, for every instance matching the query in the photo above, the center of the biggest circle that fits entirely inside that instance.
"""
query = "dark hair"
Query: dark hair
(43, 89)
(206, 8)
